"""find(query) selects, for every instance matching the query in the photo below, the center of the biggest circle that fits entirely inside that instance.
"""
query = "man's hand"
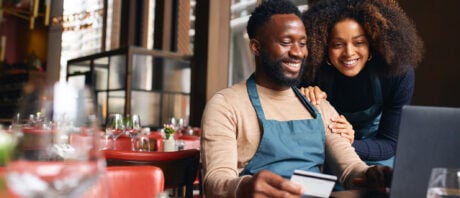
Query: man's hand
(313, 94)
(377, 178)
(268, 184)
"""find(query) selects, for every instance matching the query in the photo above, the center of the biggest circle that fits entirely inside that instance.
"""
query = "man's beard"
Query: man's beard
(274, 70)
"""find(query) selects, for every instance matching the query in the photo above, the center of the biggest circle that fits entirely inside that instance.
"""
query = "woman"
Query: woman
(362, 53)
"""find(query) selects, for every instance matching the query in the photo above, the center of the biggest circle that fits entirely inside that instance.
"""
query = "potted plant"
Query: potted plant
(169, 142)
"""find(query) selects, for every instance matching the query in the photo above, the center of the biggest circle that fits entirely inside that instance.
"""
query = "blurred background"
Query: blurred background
(165, 58)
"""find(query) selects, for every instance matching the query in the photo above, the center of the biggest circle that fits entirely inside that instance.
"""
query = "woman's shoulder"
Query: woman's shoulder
(400, 86)
(407, 76)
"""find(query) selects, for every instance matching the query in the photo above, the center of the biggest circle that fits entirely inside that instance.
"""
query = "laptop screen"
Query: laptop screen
(428, 137)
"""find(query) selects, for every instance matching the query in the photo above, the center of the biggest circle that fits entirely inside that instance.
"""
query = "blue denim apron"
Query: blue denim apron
(287, 145)
(366, 122)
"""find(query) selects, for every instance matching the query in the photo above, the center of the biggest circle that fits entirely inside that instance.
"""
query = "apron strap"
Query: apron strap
(307, 104)
(254, 96)
(255, 100)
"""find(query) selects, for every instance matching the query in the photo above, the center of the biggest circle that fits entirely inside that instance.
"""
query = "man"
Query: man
(256, 133)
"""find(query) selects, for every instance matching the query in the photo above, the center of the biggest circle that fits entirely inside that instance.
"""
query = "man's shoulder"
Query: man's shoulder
(230, 96)
(326, 109)
(232, 99)
(237, 90)
(324, 104)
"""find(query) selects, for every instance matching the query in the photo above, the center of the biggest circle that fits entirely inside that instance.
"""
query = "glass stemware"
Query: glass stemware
(115, 127)
(133, 128)
(444, 182)
(57, 152)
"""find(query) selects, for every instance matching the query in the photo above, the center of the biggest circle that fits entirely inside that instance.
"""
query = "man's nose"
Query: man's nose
(297, 51)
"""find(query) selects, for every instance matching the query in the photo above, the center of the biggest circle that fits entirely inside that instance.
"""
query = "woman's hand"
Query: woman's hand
(313, 94)
(341, 126)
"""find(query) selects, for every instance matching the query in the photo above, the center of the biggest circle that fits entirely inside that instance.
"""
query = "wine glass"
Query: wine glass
(444, 182)
(133, 128)
(57, 153)
(115, 127)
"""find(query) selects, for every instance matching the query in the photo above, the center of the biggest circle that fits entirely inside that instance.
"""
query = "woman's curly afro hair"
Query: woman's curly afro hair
(393, 39)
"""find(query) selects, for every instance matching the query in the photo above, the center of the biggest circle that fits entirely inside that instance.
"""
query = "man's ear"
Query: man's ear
(254, 45)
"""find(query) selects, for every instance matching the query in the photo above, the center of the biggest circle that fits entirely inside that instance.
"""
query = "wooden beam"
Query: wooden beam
(211, 54)
(219, 47)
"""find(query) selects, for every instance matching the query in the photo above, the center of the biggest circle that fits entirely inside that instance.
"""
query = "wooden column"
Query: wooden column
(128, 21)
(116, 25)
(183, 27)
(145, 23)
(163, 33)
(211, 54)
(54, 44)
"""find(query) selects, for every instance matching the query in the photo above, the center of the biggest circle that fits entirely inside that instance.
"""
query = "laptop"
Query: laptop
(428, 137)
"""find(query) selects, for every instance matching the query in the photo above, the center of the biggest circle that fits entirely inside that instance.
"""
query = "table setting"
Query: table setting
(173, 136)
(56, 143)
(43, 161)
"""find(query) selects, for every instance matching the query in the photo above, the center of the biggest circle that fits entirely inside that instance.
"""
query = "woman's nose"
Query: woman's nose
(349, 50)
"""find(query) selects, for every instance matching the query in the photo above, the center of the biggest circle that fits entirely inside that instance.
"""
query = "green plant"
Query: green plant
(7, 144)
(169, 130)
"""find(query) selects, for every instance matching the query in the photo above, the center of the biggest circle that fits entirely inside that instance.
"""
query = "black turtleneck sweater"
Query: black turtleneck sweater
(355, 94)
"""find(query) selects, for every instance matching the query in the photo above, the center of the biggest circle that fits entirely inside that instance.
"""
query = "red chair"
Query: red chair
(128, 181)
(123, 143)
(179, 167)
(4, 190)
(123, 181)
(135, 181)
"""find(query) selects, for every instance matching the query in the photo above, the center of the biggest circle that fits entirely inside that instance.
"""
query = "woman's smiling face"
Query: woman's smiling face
(348, 47)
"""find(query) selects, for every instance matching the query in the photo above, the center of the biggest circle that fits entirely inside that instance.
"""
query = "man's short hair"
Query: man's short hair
(263, 13)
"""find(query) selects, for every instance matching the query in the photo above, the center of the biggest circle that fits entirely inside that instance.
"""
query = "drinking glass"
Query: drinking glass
(57, 152)
(106, 141)
(133, 128)
(142, 142)
(180, 145)
(444, 182)
(115, 127)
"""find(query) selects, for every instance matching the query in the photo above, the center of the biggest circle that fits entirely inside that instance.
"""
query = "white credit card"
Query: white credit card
(314, 184)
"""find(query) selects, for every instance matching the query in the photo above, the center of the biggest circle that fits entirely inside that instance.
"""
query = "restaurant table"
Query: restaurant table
(156, 142)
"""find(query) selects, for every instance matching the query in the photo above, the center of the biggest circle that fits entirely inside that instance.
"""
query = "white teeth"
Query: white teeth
(351, 62)
(293, 64)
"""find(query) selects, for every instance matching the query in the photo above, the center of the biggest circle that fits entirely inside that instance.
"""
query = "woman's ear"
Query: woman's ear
(254, 45)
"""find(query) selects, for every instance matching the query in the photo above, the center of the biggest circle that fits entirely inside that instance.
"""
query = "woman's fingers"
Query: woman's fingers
(349, 136)
(319, 94)
(304, 91)
(341, 126)
(313, 94)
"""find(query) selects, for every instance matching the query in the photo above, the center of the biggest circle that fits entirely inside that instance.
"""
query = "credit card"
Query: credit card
(314, 184)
